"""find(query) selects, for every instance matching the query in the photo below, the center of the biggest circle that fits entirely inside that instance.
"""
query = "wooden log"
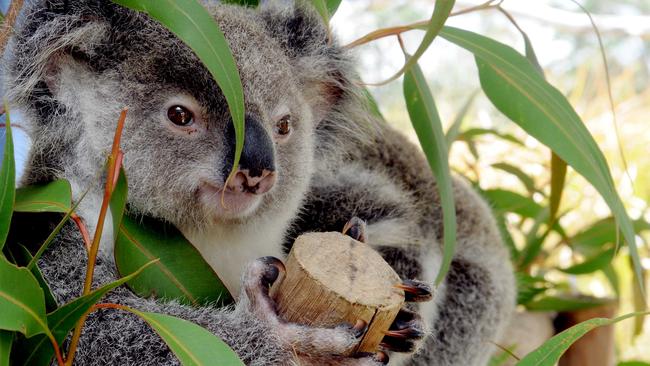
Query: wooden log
(333, 279)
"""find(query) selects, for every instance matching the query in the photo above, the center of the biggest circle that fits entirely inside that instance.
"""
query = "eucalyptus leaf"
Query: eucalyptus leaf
(181, 273)
(55, 196)
(7, 182)
(191, 23)
(192, 344)
(592, 264)
(21, 301)
(526, 180)
(472, 133)
(37, 351)
(427, 125)
(6, 341)
(517, 89)
(441, 12)
(558, 178)
(22, 257)
(565, 303)
(550, 352)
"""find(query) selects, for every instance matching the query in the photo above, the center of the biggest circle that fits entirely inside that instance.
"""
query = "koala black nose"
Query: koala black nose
(256, 171)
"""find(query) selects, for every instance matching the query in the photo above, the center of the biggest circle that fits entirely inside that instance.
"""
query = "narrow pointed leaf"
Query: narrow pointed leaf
(52, 197)
(427, 125)
(332, 6)
(21, 256)
(7, 182)
(565, 303)
(191, 23)
(527, 181)
(21, 301)
(37, 351)
(592, 264)
(321, 8)
(516, 88)
(192, 344)
(118, 202)
(472, 133)
(558, 177)
(6, 341)
(454, 129)
(550, 352)
(440, 14)
(181, 273)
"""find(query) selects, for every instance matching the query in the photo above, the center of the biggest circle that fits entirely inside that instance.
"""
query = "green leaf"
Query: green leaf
(332, 6)
(181, 273)
(21, 256)
(21, 301)
(51, 197)
(527, 181)
(7, 182)
(517, 90)
(427, 125)
(192, 344)
(550, 352)
(633, 363)
(321, 8)
(6, 340)
(37, 351)
(565, 303)
(529, 287)
(440, 14)
(454, 129)
(191, 23)
(558, 177)
(507, 201)
(118, 201)
(601, 233)
(56, 231)
(471, 133)
(592, 264)
(612, 277)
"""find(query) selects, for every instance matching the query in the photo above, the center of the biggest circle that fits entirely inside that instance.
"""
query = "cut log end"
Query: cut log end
(333, 279)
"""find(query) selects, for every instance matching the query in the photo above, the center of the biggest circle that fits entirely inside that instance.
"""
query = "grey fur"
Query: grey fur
(71, 68)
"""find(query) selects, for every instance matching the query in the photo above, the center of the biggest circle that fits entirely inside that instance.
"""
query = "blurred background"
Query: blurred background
(509, 159)
(498, 157)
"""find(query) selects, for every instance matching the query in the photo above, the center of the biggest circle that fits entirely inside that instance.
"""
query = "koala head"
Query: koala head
(75, 65)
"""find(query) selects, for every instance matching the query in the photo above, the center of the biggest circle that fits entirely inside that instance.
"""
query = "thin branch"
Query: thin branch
(114, 162)
(9, 21)
(609, 90)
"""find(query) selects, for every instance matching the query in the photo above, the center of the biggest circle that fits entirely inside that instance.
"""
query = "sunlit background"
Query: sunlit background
(567, 48)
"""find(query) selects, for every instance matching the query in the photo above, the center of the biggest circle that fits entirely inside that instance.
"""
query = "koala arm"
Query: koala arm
(115, 337)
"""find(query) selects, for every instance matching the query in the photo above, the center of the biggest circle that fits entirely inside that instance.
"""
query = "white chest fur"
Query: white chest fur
(229, 249)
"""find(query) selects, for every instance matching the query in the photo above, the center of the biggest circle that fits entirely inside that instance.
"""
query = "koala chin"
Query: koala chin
(314, 159)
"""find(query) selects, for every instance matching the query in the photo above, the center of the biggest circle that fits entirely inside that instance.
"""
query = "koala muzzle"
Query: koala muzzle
(256, 172)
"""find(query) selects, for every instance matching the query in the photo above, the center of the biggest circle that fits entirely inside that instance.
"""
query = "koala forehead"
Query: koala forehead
(153, 56)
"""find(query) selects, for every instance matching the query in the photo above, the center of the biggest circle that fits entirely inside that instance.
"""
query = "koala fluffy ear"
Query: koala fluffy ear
(325, 68)
(53, 32)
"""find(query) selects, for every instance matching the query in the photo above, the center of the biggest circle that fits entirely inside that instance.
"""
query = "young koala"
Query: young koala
(313, 159)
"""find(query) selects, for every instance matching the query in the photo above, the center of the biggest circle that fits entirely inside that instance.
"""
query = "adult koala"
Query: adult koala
(313, 159)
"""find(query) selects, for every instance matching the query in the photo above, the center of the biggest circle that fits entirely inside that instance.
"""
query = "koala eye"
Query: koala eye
(283, 126)
(180, 115)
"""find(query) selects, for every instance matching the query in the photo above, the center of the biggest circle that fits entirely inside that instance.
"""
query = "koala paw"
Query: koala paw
(311, 345)
(408, 329)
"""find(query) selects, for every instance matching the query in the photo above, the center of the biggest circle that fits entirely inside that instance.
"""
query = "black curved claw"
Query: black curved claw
(398, 345)
(406, 319)
(416, 291)
(272, 271)
(356, 229)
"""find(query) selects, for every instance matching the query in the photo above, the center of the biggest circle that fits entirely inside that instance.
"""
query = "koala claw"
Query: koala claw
(416, 291)
(356, 229)
(405, 332)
